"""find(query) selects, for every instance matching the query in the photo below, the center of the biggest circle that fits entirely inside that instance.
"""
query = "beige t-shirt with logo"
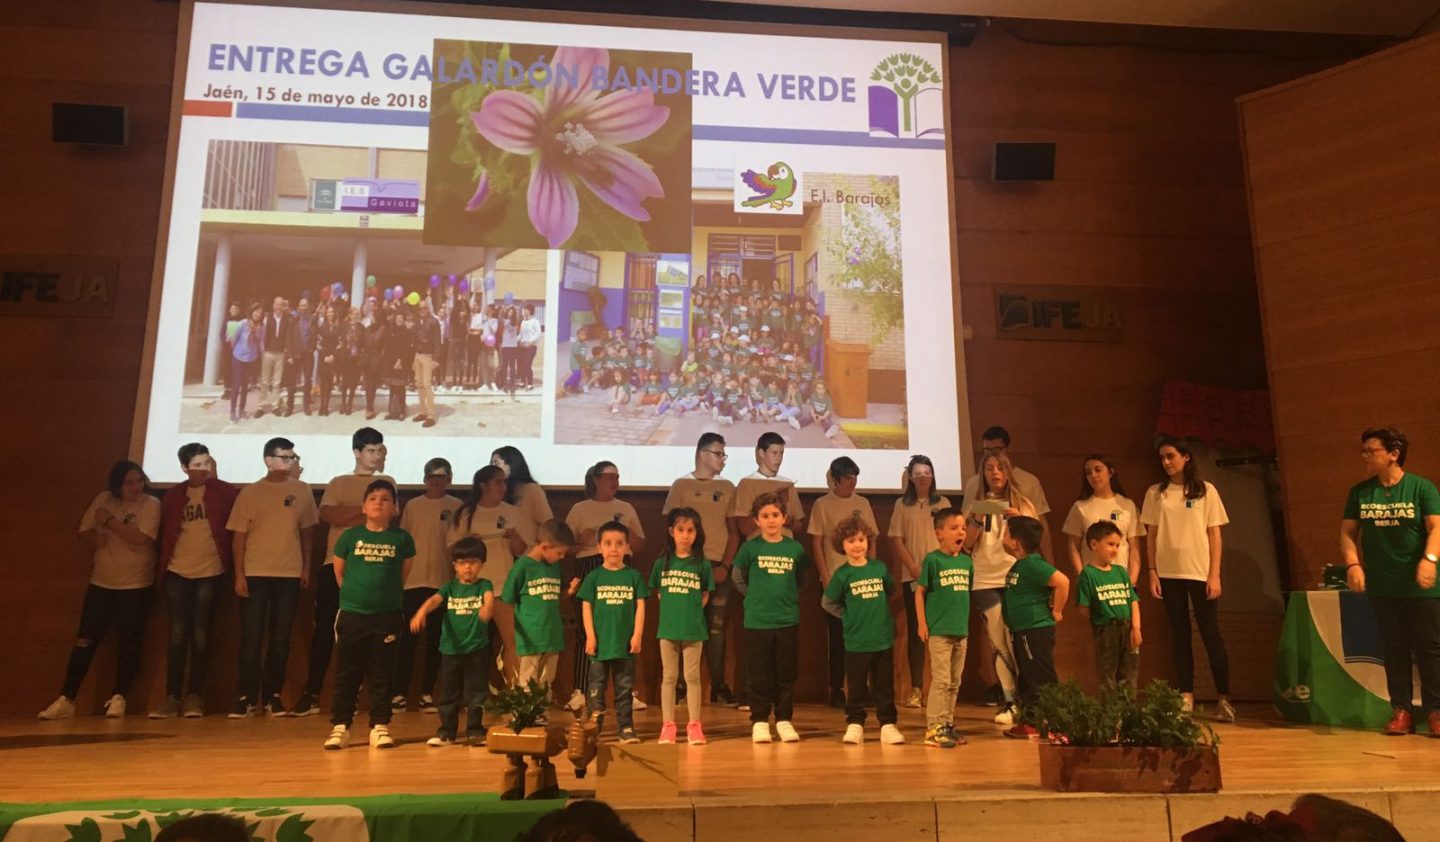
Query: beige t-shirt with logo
(196, 556)
(1182, 538)
(427, 519)
(271, 514)
(756, 484)
(713, 499)
(489, 525)
(533, 505)
(120, 565)
(592, 514)
(345, 490)
(915, 524)
(1119, 510)
(827, 513)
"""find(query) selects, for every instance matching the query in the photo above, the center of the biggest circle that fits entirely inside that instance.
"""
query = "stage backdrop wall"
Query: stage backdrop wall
(1345, 201)
(1147, 211)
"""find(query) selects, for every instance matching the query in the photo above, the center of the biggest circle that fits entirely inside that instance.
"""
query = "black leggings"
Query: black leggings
(1180, 595)
(127, 609)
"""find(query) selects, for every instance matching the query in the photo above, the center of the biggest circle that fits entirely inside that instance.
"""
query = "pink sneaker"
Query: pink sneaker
(694, 734)
(667, 734)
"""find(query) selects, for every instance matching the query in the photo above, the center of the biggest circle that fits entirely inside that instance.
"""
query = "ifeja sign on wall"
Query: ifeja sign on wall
(57, 285)
(1057, 313)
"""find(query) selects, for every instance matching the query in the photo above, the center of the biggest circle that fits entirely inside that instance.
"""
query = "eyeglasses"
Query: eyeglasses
(718, 454)
(1371, 451)
(286, 458)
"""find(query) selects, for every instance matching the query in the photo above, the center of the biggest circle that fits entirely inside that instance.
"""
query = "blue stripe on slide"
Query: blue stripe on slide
(330, 114)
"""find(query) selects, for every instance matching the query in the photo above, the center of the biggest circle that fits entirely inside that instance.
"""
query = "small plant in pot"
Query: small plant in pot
(523, 736)
(1120, 742)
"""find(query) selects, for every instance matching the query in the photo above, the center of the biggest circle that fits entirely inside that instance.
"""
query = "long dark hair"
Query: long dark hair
(1194, 486)
(908, 498)
(1086, 492)
(519, 471)
(698, 548)
(115, 482)
(590, 474)
(482, 478)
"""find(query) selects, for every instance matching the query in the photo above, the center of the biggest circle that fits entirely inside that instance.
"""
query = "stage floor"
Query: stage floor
(1265, 763)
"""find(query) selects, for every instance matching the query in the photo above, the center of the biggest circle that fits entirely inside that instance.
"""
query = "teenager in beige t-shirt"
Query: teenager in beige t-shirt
(769, 456)
(427, 518)
(521, 489)
(912, 537)
(826, 513)
(506, 534)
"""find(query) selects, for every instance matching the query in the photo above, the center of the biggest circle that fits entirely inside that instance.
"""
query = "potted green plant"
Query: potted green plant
(1120, 742)
(524, 736)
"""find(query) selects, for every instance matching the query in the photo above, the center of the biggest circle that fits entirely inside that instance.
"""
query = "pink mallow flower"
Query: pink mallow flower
(571, 134)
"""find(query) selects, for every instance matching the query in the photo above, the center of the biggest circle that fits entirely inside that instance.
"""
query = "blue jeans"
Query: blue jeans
(624, 671)
(188, 603)
(270, 609)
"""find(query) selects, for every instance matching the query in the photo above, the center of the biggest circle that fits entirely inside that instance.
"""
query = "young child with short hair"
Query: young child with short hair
(533, 588)
(682, 581)
(1104, 592)
(619, 389)
(859, 594)
(371, 562)
(942, 616)
(767, 570)
(613, 610)
(468, 602)
(1034, 598)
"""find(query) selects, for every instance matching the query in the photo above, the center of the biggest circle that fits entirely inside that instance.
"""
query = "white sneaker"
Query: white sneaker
(61, 708)
(338, 739)
(115, 707)
(636, 703)
(1006, 715)
(439, 742)
(760, 732)
(891, 736)
(380, 737)
(577, 701)
(786, 731)
(793, 422)
(854, 735)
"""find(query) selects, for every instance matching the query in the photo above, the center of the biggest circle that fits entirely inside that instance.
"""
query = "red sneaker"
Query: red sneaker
(667, 734)
(694, 734)
(1022, 732)
(1400, 724)
(1433, 721)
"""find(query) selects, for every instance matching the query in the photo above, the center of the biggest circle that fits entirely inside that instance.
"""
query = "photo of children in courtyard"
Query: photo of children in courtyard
(786, 322)
(317, 303)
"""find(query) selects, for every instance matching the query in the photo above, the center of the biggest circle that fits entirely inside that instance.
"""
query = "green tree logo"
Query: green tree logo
(905, 73)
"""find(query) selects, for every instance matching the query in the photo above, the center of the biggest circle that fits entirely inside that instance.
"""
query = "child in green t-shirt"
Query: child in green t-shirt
(469, 602)
(682, 581)
(613, 608)
(859, 593)
(533, 589)
(1105, 593)
(942, 617)
(767, 570)
(1034, 598)
(371, 561)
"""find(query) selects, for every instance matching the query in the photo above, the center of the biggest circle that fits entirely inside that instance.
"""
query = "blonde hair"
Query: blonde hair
(1013, 496)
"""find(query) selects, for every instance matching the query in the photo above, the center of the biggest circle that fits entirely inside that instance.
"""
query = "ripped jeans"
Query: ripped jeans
(127, 609)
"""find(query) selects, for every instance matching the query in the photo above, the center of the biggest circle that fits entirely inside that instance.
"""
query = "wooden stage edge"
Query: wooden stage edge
(731, 789)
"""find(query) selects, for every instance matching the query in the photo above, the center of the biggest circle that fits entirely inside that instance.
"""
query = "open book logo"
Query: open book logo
(906, 99)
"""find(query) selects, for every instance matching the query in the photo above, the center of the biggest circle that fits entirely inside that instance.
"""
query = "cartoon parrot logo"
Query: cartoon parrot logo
(774, 187)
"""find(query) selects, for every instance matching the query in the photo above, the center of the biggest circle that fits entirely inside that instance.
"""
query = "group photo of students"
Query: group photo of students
(471, 585)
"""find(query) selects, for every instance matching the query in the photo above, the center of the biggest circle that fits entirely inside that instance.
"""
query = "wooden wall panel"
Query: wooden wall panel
(1345, 197)
(1148, 202)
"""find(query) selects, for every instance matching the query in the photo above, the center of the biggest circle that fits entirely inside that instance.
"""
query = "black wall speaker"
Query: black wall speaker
(1024, 162)
(101, 125)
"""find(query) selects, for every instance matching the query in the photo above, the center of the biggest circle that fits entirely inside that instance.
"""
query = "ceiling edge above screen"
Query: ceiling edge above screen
(378, 161)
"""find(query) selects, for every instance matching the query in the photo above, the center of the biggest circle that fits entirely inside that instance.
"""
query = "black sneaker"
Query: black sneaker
(398, 704)
(995, 696)
(275, 708)
(628, 736)
(476, 739)
(307, 705)
(427, 704)
(242, 709)
(837, 698)
(721, 695)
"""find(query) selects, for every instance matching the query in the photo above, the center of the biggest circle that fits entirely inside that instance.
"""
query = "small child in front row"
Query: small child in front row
(859, 594)
(942, 617)
(1034, 598)
(1105, 593)
(533, 588)
(371, 562)
(682, 581)
(613, 605)
(468, 602)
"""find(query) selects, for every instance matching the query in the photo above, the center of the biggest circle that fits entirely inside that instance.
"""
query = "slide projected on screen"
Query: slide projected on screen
(587, 241)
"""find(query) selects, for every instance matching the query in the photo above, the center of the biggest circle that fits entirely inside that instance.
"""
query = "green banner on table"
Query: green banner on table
(1326, 669)
(386, 818)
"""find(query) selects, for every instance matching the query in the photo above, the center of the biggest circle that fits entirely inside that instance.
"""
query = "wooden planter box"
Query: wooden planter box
(1128, 769)
(537, 742)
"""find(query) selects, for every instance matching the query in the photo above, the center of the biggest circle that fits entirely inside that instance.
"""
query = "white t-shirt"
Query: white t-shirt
(1119, 510)
(1025, 482)
(529, 331)
(827, 513)
(427, 519)
(915, 525)
(991, 561)
(345, 490)
(489, 525)
(196, 556)
(534, 506)
(1182, 545)
(756, 484)
(120, 565)
(592, 514)
(713, 499)
(271, 514)
(477, 320)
